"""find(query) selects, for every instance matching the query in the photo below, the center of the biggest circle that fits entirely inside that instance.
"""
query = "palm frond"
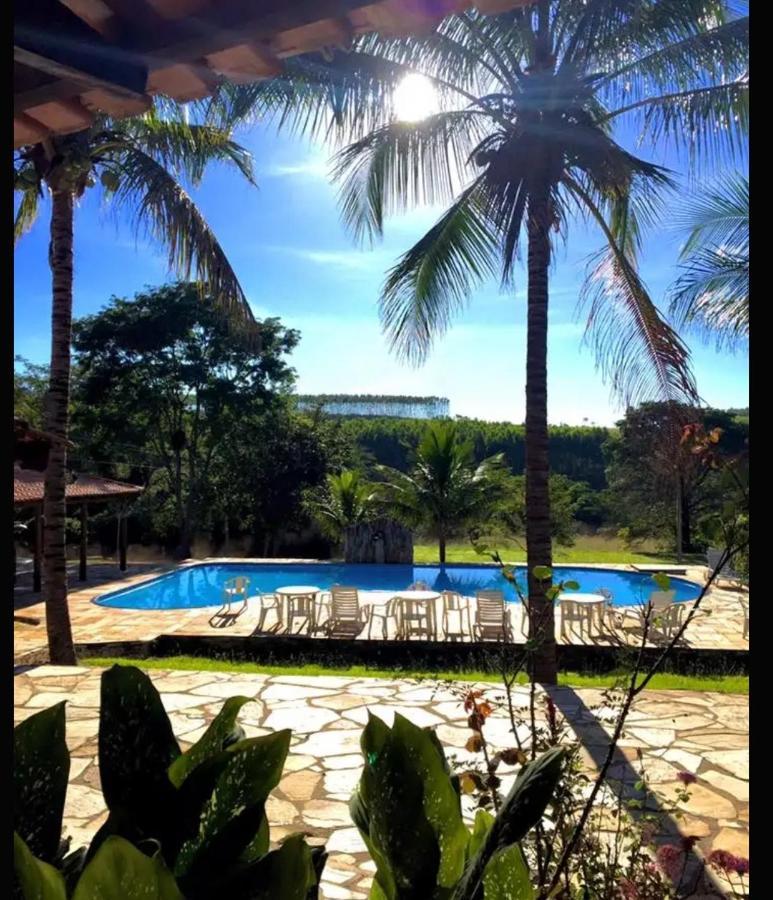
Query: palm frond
(712, 55)
(161, 209)
(402, 165)
(183, 148)
(27, 210)
(709, 123)
(711, 295)
(635, 348)
(433, 280)
(717, 213)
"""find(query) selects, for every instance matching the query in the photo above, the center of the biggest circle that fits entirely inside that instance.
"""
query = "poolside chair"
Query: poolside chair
(573, 612)
(726, 573)
(234, 602)
(347, 617)
(491, 619)
(660, 603)
(268, 603)
(415, 618)
(455, 610)
(385, 612)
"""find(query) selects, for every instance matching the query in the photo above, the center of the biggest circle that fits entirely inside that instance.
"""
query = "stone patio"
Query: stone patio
(719, 624)
(704, 733)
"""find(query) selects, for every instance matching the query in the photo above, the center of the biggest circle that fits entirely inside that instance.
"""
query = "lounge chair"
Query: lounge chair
(347, 617)
(726, 573)
(455, 610)
(491, 619)
(234, 602)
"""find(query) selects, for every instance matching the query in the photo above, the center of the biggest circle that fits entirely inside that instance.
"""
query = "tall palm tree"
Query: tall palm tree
(444, 490)
(711, 294)
(536, 105)
(139, 163)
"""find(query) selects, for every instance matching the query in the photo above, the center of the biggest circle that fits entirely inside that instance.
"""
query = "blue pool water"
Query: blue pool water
(202, 584)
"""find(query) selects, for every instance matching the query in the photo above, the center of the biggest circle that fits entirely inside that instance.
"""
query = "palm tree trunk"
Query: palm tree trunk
(538, 539)
(60, 643)
(442, 548)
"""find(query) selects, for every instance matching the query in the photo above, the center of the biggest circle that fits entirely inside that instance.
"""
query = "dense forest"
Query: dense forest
(163, 396)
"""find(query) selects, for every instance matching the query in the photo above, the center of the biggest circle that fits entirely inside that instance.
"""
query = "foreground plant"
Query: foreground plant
(189, 824)
(408, 810)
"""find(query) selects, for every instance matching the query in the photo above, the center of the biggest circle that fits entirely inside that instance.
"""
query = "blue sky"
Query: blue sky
(296, 262)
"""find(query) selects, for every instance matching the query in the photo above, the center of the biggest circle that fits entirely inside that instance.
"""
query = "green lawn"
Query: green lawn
(586, 549)
(724, 684)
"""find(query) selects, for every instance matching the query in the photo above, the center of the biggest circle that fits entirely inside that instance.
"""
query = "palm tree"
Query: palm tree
(346, 500)
(711, 294)
(445, 490)
(138, 162)
(534, 106)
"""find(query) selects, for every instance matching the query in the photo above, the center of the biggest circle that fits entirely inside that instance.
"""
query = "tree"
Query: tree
(138, 162)
(162, 376)
(711, 294)
(345, 500)
(658, 486)
(530, 100)
(29, 390)
(445, 490)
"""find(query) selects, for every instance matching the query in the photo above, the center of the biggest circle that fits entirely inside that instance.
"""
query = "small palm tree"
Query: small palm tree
(536, 107)
(444, 491)
(347, 499)
(711, 294)
(139, 163)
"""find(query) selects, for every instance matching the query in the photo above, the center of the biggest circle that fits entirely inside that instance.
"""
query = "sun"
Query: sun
(415, 98)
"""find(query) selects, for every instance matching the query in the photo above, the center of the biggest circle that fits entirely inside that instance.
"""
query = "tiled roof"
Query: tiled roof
(28, 487)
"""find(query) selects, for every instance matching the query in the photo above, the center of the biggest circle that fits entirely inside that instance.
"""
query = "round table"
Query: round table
(297, 590)
(594, 603)
(426, 597)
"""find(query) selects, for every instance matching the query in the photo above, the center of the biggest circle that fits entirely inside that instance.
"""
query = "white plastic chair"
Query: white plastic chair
(347, 617)
(455, 609)
(491, 619)
(234, 602)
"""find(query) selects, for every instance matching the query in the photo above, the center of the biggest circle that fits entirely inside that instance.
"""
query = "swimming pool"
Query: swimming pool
(202, 584)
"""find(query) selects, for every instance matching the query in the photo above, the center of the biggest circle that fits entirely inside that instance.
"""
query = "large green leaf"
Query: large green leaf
(522, 809)
(36, 879)
(507, 876)
(41, 767)
(441, 803)
(287, 873)
(232, 817)
(119, 871)
(401, 840)
(480, 829)
(219, 735)
(136, 748)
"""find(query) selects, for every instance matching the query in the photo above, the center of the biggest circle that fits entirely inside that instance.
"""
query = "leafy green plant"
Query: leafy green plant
(189, 824)
(407, 808)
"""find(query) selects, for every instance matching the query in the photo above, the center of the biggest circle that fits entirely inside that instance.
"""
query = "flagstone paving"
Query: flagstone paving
(704, 733)
(718, 624)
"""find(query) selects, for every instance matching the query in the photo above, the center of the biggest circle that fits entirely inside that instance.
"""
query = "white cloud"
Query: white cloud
(312, 167)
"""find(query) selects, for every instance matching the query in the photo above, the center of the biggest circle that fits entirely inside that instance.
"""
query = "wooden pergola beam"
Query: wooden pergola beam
(49, 38)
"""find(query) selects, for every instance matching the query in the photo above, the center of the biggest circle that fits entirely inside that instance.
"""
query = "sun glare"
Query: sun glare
(415, 98)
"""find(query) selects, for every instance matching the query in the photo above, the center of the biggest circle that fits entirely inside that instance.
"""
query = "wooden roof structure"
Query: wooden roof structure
(77, 58)
(28, 488)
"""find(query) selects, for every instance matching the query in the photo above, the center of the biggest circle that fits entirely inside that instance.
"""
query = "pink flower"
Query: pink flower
(686, 777)
(670, 859)
(721, 860)
(740, 866)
